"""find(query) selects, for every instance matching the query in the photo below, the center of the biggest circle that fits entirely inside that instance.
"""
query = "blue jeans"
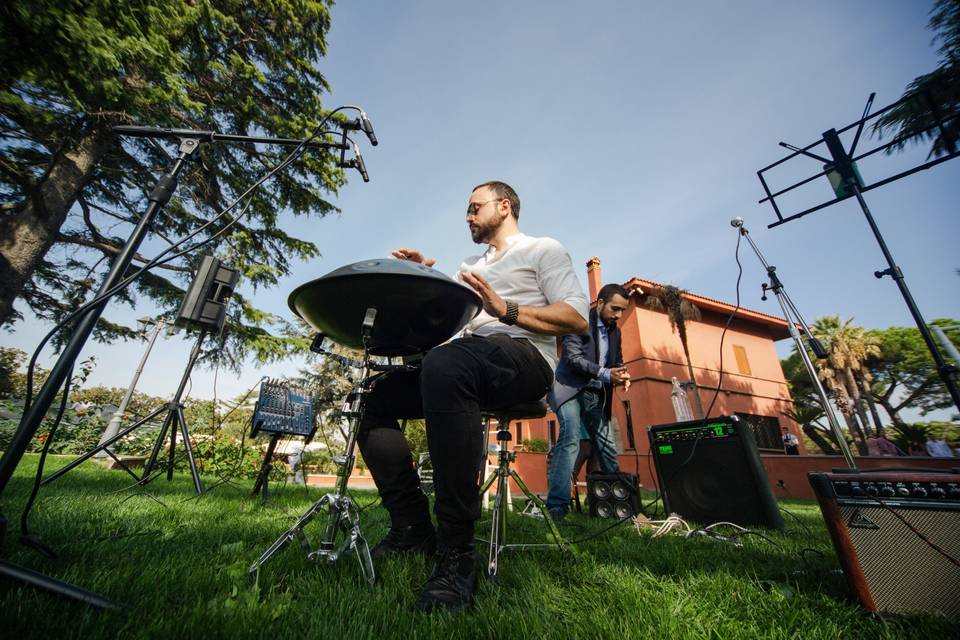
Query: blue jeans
(584, 410)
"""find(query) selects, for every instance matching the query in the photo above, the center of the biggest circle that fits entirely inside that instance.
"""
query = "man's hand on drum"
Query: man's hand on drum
(492, 303)
(413, 256)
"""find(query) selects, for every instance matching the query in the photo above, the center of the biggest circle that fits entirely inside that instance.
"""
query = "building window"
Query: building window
(743, 365)
(552, 432)
(766, 431)
(519, 433)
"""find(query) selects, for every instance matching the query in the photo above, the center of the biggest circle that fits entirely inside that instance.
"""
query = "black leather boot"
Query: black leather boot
(450, 587)
(409, 539)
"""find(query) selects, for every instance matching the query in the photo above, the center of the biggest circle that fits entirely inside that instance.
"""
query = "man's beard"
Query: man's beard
(482, 232)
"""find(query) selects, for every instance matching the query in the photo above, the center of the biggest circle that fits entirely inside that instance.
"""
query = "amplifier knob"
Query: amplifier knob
(903, 491)
(857, 490)
(919, 492)
(872, 490)
(887, 492)
(937, 492)
(954, 493)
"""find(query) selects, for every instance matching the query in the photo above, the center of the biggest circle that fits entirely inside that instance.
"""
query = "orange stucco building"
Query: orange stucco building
(752, 384)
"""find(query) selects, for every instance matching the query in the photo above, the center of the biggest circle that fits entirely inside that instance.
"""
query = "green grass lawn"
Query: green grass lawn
(177, 565)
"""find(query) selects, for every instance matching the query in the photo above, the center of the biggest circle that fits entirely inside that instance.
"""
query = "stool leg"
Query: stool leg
(551, 525)
(498, 524)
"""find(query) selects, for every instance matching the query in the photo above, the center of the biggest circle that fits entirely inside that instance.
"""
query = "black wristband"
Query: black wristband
(510, 317)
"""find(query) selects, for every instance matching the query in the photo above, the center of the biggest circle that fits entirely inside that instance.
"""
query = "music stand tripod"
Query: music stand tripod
(343, 516)
(173, 421)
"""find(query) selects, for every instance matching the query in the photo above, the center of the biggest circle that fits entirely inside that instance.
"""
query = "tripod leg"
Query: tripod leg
(293, 533)
(497, 524)
(103, 447)
(189, 449)
(551, 525)
(152, 461)
(359, 544)
(173, 444)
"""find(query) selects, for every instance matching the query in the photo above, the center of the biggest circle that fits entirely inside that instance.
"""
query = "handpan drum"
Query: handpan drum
(417, 307)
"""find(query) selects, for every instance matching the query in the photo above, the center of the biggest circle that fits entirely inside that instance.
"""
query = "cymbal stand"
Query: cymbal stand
(343, 516)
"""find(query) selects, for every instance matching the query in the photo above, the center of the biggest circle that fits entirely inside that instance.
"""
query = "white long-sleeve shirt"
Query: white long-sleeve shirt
(531, 272)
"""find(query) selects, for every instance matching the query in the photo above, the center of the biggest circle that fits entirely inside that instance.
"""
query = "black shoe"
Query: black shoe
(450, 587)
(557, 514)
(410, 539)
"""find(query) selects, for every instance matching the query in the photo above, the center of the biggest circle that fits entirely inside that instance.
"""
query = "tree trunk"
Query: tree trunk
(853, 390)
(868, 396)
(850, 418)
(823, 443)
(893, 413)
(28, 233)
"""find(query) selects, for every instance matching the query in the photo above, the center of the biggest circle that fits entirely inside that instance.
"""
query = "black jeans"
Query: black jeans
(455, 381)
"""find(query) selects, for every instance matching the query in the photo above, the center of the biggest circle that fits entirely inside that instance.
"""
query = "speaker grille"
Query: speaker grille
(904, 573)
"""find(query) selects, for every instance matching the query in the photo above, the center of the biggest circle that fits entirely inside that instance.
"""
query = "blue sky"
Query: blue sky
(632, 131)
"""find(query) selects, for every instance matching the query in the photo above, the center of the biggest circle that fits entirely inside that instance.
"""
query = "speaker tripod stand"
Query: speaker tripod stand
(173, 422)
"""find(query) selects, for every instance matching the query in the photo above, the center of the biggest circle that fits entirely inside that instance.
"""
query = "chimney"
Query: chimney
(594, 279)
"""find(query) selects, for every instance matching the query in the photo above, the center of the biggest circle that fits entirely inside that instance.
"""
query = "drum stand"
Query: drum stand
(343, 516)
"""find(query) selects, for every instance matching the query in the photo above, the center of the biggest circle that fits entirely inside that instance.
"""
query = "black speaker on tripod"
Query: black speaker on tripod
(205, 303)
(710, 471)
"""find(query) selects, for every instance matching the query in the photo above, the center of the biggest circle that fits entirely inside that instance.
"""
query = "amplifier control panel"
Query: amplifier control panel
(712, 429)
(930, 490)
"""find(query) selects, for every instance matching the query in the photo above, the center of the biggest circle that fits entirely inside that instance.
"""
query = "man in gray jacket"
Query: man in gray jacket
(591, 364)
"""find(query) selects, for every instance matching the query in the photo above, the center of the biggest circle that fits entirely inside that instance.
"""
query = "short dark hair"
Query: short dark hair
(503, 191)
(607, 291)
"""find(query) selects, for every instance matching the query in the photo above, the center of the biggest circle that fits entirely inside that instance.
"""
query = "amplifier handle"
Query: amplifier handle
(845, 470)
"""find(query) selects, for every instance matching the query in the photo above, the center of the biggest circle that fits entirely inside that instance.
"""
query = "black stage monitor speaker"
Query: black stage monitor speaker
(613, 495)
(205, 303)
(709, 471)
(897, 536)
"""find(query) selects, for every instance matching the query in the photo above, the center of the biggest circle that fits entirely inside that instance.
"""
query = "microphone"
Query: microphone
(737, 222)
(367, 127)
(358, 163)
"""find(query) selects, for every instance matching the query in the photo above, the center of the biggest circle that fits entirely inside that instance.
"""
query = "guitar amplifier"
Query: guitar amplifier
(709, 471)
(897, 536)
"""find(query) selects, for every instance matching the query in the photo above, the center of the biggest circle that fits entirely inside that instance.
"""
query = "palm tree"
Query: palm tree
(670, 299)
(848, 347)
(807, 416)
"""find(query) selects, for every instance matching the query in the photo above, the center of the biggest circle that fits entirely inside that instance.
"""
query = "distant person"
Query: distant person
(917, 449)
(938, 449)
(880, 446)
(791, 443)
(591, 365)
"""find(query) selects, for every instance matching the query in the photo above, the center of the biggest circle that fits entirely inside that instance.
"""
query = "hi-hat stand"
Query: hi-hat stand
(342, 534)
(174, 420)
(792, 315)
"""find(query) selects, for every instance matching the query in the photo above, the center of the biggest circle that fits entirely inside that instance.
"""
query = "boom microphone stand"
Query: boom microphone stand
(793, 318)
(189, 142)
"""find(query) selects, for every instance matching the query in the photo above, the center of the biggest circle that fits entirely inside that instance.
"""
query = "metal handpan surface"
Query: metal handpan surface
(417, 307)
